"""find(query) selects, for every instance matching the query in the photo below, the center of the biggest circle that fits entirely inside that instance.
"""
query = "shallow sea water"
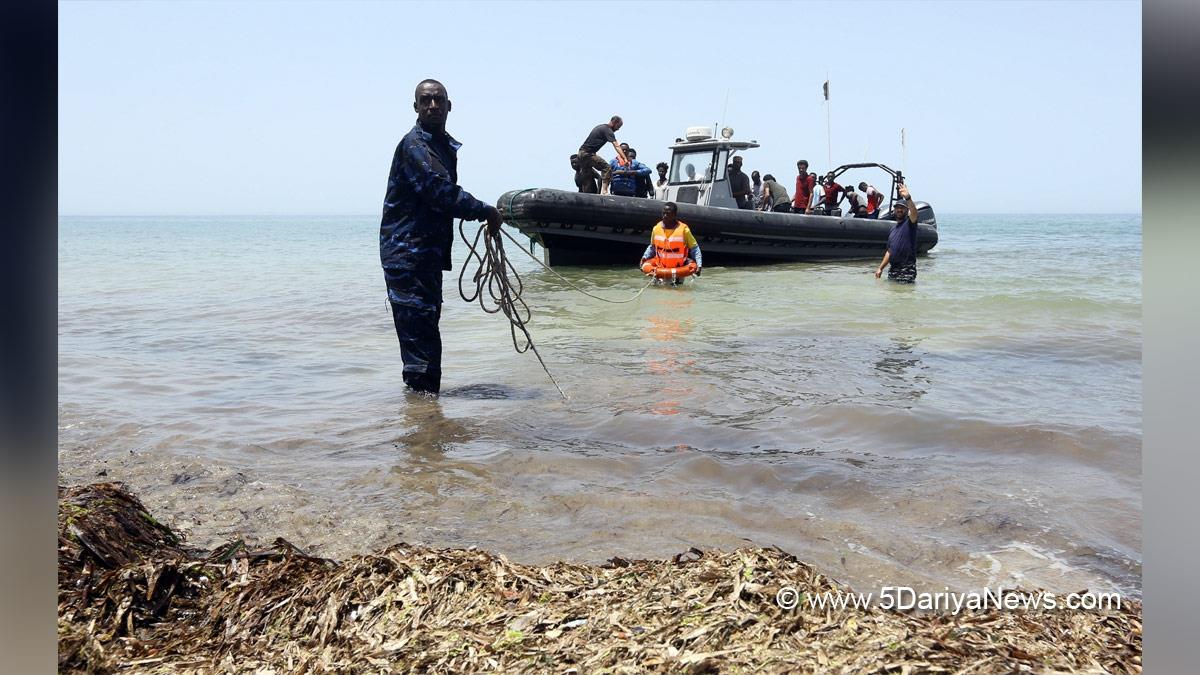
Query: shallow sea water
(981, 427)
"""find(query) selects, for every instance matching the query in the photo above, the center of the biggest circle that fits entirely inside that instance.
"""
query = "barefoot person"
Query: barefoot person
(596, 138)
(423, 199)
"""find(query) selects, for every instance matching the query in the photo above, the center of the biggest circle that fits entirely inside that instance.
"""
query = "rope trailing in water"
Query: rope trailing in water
(492, 272)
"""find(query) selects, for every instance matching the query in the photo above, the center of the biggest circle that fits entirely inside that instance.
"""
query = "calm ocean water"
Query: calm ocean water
(982, 427)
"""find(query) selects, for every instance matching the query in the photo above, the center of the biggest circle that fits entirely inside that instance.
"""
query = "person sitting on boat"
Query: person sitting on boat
(874, 199)
(806, 185)
(625, 176)
(901, 251)
(660, 185)
(690, 169)
(831, 194)
(585, 179)
(599, 135)
(672, 245)
(858, 205)
(775, 196)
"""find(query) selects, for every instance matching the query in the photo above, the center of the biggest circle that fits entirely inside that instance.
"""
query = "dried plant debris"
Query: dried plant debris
(133, 598)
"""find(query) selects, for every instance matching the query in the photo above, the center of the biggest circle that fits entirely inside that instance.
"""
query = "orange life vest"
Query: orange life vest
(873, 200)
(670, 246)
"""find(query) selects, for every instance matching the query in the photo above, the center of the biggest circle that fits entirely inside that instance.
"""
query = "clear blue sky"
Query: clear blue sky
(296, 108)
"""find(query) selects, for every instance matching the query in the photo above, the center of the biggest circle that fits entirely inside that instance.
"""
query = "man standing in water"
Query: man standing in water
(901, 251)
(423, 199)
(672, 242)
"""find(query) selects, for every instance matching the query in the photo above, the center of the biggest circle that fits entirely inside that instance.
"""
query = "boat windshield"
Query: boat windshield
(694, 167)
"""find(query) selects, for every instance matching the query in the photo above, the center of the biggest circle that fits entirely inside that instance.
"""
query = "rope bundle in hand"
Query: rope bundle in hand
(502, 293)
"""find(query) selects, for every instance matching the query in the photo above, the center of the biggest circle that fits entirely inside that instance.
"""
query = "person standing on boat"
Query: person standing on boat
(874, 199)
(775, 196)
(599, 135)
(739, 183)
(831, 194)
(660, 185)
(423, 199)
(756, 190)
(806, 184)
(672, 242)
(901, 252)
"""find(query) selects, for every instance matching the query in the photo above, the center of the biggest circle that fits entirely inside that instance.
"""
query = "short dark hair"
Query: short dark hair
(673, 205)
(428, 81)
(768, 177)
(629, 149)
(662, 165)
(616, 118)
(803, 161)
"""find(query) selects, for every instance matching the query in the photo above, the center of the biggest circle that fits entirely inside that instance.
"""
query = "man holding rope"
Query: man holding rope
(423, 199)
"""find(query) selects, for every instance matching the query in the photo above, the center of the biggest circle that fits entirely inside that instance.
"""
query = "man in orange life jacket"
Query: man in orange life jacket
(672, 241)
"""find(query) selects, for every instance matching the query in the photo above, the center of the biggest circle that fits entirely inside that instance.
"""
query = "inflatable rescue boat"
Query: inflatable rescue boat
(576, 228)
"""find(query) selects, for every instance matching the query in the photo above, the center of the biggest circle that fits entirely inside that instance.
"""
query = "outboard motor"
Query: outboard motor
(925, 214)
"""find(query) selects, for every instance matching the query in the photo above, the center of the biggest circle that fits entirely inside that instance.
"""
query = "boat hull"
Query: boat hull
(576, 228)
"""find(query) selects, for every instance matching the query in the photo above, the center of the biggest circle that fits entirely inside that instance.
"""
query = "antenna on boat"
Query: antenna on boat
(903, 152)
(723, 110)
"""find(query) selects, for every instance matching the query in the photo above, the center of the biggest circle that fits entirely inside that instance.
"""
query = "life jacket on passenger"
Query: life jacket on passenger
(670, 252)
(670, 246)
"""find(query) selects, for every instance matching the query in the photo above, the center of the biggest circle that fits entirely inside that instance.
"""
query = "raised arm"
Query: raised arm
(912, 206)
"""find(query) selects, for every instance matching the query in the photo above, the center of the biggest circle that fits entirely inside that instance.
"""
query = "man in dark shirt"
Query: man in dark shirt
(423, 199)
(739, 184)
(806, 184)
(901, 251)
(599, 135)
(585, 181)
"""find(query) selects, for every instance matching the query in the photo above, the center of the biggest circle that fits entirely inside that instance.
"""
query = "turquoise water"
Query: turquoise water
(980, 427)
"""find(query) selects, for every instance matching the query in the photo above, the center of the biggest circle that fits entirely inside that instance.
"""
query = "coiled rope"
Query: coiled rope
(495, 273)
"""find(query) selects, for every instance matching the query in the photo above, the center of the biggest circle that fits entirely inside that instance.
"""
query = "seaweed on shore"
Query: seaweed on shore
(132, 596)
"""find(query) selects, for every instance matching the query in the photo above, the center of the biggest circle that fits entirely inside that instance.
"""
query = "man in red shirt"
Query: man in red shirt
(831, 194)
(806, 183)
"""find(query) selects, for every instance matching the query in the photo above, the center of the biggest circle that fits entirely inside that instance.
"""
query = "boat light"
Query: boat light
(727, 133)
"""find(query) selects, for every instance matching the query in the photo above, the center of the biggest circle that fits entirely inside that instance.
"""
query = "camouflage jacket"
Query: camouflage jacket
(423, 199)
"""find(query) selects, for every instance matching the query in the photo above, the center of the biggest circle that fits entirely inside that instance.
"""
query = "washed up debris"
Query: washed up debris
(133, 597)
